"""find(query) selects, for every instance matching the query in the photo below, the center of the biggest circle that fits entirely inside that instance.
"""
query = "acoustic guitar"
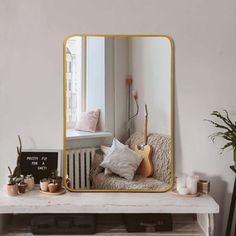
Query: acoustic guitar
(146, 167)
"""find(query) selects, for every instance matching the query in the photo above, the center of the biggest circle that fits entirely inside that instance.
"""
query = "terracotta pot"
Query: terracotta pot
(12, 189)
(53, 188)
(22, 187)
(57, 181)
(44, 186)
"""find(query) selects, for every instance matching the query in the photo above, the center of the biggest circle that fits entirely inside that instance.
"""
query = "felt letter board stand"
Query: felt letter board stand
(38, 163)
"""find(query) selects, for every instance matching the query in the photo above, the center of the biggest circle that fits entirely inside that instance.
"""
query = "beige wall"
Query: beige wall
(120, 91)
(31, 73)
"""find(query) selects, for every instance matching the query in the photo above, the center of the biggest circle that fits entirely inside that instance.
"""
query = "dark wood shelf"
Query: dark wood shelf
(112, 225)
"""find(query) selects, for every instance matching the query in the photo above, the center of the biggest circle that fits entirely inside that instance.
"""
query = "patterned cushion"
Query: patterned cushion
(115, 182)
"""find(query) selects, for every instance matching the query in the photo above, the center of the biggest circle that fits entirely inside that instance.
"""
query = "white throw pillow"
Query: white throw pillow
(121, 160)
(107, 150)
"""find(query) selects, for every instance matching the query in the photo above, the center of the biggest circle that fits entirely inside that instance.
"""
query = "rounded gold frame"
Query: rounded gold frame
(171, 112)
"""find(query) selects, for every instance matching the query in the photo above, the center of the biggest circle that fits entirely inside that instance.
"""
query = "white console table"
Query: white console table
(34, 202)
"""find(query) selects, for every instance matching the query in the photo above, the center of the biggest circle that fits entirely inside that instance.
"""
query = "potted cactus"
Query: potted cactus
(53, 187)
(21, 184)
(228, 131)
(12, 188)
(16, 180)
(56, 179)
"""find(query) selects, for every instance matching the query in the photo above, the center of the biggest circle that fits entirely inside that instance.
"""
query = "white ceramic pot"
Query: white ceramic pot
(44, 186)
(30, 183)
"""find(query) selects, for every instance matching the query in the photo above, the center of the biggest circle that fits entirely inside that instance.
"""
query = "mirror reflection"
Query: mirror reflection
(118, 113)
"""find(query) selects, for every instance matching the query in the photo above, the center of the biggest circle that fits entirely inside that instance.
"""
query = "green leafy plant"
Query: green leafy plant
(54, 174)
(44, 180)
(29, 176)
(228, 130)
(12, 178)
(17, 170)
(20, 179)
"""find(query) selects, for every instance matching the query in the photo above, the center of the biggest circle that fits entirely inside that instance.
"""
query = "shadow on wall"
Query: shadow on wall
(218, 189)
(178, 157)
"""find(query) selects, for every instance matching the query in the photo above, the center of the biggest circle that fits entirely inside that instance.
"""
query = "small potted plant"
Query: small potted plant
(228, 131)
(21, 184)
(12, 188)
(56, 179)
(29, 180)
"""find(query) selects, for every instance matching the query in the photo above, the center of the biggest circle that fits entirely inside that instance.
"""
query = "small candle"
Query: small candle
(192, 183)
(180, 182)
(183, 191)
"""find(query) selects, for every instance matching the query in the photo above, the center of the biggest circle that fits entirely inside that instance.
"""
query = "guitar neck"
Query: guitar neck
(145, 125)
(145, 131)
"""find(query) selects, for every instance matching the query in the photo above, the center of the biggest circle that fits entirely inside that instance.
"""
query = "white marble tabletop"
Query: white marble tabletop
(37, 202)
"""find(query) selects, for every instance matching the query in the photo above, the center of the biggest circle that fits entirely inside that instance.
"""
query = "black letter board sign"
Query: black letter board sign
(39, 164)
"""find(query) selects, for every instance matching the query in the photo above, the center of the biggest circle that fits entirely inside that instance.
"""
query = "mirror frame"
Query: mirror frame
(171, 112)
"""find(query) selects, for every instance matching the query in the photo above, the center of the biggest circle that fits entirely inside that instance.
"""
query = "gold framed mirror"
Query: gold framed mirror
(118, 113)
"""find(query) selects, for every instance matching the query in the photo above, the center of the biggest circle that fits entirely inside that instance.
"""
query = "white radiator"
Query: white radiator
(78, 167)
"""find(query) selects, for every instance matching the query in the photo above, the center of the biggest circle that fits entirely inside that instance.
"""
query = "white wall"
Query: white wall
(120, 75)
(150, 67)
(31, 73)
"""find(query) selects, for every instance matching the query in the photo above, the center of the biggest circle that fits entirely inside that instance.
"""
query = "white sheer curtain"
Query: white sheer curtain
(75, 95)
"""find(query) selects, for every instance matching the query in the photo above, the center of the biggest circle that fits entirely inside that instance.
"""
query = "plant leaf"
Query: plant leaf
(229, 121)
(20, 143)
(226, 145)
(218, 125)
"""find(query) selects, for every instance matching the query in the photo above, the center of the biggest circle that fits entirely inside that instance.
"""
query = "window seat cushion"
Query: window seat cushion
(161, 178)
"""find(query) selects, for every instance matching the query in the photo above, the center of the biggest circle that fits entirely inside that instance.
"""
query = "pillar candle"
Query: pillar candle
(192, 183)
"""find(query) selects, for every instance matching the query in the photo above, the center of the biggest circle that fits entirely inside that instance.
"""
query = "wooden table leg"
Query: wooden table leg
(206, 222)
(231, 212)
